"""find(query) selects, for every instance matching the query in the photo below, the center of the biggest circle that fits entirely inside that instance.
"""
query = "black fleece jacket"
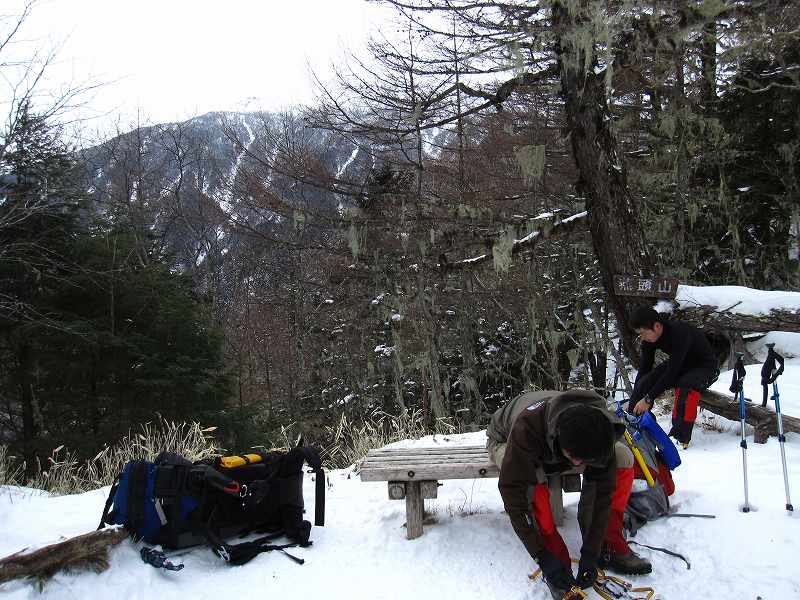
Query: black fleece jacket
(687, 347)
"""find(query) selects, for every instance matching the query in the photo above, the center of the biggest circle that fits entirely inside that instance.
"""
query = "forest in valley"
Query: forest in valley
(437, 233)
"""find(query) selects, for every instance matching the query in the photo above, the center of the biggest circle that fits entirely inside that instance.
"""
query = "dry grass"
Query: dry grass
(10, 469)
(351, 440)
(63, 473)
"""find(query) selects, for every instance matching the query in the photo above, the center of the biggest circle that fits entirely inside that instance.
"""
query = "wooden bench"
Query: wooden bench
(414, 474)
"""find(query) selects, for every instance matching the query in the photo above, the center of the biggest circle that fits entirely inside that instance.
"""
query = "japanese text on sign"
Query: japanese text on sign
(651, 287)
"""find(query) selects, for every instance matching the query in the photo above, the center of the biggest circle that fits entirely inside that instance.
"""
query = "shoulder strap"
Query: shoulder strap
(104, 519)
(315, 462)
(240, 554)
(137, 488)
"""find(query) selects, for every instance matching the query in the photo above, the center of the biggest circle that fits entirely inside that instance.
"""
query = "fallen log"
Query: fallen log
(86, 552)
(711, 319)
(763, 419)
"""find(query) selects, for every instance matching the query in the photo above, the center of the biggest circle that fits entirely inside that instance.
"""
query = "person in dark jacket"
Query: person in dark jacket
(691, 368)
(547, 432)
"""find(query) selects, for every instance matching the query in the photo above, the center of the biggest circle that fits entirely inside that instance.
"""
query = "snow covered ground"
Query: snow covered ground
(469, 549)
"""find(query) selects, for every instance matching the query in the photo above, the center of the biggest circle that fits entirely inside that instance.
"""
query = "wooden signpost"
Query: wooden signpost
(646, 287)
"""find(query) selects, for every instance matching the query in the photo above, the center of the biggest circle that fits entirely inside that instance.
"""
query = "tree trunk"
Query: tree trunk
(614, 222)
(708, 52)
(681, 173)
(31, 416)
(714, 320)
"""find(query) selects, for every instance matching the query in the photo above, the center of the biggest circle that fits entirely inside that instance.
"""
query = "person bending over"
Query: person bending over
(548, 432)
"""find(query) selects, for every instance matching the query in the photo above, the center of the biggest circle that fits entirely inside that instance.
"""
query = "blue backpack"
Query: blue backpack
(177, 504)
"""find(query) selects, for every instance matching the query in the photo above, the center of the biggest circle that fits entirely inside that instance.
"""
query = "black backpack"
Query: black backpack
(178, 504)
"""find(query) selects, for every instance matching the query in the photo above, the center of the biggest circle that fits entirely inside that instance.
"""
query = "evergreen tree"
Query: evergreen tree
(91, 339)
(38, 222)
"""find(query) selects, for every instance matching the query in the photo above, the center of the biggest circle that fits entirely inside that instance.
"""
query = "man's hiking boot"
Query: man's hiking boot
(624, 564)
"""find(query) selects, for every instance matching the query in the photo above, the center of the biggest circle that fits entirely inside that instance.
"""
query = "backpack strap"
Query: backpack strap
(319, 497)
(106, 519)
(240, 554)
(137, 488)
(315, 462)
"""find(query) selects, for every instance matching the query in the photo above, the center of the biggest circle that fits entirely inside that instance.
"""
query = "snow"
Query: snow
(346, 164)
(787, 344)
(737, 299)
(384, 350)
(225, 203)
(469, 550)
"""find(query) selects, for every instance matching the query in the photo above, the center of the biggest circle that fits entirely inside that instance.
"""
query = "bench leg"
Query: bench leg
(414, 509)
(556, 499)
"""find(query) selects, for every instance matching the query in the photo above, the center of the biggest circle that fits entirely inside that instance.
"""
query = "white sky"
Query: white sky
(170, 60)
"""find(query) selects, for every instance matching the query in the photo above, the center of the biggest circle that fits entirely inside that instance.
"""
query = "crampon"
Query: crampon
(611, 587)
(608, 587)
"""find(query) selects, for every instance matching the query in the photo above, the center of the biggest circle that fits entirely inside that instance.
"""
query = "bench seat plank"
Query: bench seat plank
(432, 450)
(428, 471)
(418, 464)
(422, 458)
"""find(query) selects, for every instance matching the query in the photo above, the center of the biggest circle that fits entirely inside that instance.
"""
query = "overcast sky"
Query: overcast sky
(173, 59)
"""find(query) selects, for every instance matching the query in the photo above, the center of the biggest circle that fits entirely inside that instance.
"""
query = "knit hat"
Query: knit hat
(586, 434)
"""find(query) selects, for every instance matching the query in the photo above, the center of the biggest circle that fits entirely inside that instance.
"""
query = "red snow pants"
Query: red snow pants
(614, 536)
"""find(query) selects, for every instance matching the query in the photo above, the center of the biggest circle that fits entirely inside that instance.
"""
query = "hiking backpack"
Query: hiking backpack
(661, 457)
(178, 504)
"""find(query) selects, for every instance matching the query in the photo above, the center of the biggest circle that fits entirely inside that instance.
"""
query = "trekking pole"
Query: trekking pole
(769, 374)
(737, 387)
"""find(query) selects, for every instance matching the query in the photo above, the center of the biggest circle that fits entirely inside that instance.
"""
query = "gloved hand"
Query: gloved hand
(555, 572)
(587, 570)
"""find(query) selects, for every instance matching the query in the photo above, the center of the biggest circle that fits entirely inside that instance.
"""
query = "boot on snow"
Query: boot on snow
(624, 564)
(573, 593)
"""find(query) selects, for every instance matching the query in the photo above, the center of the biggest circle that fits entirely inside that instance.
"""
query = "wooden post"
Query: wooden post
(414, 510)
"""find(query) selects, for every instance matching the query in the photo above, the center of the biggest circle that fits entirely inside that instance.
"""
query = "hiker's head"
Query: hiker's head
(585, 434)
(648, 323)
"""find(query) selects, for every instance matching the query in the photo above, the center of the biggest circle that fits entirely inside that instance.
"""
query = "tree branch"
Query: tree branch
(562, 228)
